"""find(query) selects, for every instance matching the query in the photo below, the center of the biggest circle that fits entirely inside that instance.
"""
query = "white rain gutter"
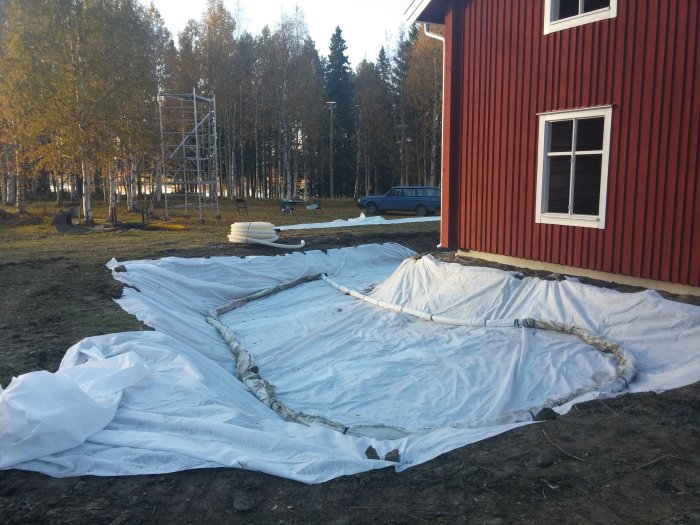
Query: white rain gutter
(441, 38)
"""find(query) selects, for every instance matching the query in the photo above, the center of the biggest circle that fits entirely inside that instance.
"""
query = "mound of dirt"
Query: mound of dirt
(63, 222)
(20, 219)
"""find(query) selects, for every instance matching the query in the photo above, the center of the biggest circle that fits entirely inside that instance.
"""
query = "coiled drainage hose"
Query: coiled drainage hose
(258, 233)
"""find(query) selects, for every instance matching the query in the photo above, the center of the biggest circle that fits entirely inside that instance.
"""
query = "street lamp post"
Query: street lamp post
(331, 104)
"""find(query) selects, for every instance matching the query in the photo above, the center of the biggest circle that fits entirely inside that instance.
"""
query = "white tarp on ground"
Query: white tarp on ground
(155, 402)
(362, 220)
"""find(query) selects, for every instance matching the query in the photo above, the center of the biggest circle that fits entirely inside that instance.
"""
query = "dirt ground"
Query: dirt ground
(632, 459)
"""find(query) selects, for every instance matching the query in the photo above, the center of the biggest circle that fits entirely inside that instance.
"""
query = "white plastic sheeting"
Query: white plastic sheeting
(328, 354)
(362, 220)
(45, 413)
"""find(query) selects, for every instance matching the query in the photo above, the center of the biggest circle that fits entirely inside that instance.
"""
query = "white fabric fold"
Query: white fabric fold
(168, 400)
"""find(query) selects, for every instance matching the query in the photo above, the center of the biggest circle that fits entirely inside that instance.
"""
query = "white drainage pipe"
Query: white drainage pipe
(258, 233)
(626, 370)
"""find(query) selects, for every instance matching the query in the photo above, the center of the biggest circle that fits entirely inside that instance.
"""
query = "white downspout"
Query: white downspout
(442, 133)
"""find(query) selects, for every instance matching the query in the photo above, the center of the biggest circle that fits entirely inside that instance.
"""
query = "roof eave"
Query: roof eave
(430, 11)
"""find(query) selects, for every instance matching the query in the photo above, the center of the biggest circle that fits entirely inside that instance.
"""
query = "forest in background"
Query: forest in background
(79, 118)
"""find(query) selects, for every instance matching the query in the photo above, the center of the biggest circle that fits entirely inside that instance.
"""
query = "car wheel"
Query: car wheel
(421, 210)
(371, 208)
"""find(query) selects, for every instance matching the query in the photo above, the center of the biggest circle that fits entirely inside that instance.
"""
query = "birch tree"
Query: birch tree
(424, 98)
(76, 77)
(372, 115)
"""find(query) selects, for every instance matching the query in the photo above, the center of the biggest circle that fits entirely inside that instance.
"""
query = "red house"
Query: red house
(571, 135)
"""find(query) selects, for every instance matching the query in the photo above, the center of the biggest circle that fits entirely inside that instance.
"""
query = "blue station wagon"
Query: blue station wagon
(423, 200)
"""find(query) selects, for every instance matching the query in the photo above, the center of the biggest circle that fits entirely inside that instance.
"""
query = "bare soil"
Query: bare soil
(632, 459)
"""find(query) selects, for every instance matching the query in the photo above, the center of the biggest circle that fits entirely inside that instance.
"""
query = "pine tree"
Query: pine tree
(339, 89)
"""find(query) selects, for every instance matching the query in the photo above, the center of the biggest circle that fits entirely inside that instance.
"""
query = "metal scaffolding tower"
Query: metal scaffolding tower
(189, 148)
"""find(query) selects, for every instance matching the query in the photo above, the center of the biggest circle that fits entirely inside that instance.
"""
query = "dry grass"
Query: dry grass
(33, 236)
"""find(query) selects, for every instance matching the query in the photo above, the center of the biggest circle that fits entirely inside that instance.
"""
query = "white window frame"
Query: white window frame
(552, 26)
(570, 219)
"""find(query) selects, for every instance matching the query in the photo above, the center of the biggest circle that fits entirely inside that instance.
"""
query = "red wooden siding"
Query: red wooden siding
(501, 71)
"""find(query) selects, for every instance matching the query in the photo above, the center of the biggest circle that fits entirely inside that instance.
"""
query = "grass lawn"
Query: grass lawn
(33, 235)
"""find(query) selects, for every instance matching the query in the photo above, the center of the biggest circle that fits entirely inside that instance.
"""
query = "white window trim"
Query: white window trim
(564, 219)
(578, 20)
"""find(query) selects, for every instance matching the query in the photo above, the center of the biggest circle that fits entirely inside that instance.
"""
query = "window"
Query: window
(564, 14)
(572, 167)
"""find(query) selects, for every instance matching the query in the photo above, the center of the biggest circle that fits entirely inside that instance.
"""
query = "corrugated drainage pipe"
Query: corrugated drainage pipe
(258, 233)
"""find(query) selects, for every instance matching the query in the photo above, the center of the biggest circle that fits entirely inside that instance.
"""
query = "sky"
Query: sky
(366, 24)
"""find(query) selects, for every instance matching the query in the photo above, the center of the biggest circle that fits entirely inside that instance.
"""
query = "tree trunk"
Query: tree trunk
(286, 144)
(231, 171)
(5, 178)
(19, 188)
(74, 183)
(400, 131)
(11, 187)
(131, 185)
(87, 191)
(287, 166)
(356, 186)
(104, 184)
(157, 182)
(21, 197)
(295, 179)
(305, 167)
(257, 155)
(113, 188)
(367, 169)
(20, 201)
(58, 185)
(241, 172)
